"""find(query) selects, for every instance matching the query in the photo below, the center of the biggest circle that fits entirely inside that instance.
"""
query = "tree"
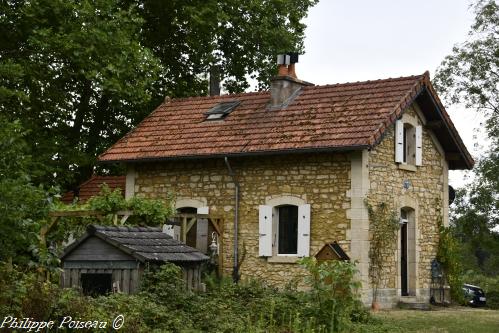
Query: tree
(234, 39)
(22, 205)
(80, 74)
(77, 77)
(470, 75)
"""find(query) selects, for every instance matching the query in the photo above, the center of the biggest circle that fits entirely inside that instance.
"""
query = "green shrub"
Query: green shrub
(448, 256)
(163, 304)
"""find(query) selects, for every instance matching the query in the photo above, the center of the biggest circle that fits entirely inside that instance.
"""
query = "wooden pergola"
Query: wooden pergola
(185, 221)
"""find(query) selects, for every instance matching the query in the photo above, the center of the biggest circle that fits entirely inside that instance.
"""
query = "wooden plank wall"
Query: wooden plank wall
(192, 277)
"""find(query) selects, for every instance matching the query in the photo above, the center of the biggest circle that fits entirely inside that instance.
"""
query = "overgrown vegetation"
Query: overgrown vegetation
(164, 306)
(146, 212)
(448, 257)
(383, 226)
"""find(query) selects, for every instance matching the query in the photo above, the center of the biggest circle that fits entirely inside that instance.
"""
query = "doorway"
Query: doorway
(407, 252)
(403, 260)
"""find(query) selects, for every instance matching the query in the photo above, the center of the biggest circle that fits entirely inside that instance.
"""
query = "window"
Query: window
(284, 230)
(221, 110)
(287, 229)
(408, 138)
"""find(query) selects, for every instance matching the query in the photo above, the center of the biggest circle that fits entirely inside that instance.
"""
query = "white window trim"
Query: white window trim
(275, 202)
(399, 132)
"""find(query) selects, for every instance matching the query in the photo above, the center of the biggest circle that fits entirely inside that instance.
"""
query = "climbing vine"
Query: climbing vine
(383, 225)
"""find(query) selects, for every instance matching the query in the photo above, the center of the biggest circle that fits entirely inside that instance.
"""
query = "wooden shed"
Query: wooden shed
(113, 258)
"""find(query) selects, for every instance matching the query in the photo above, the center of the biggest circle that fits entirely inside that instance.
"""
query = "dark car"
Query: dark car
(474, 295)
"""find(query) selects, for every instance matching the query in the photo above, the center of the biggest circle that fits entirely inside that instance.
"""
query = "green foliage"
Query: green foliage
(80, 74)
(472, 227)
(146, 212)
(383, 224)
(470, 75)
(235, 38)
(76, 75)
(448, 256)
(334, 291)
(22, 204)
(163, 305)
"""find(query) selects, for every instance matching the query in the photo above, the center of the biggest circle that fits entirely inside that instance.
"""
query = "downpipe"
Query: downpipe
(235, 270)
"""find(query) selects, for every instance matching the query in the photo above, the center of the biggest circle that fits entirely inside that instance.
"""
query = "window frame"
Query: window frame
(268, 232)
(408, 143)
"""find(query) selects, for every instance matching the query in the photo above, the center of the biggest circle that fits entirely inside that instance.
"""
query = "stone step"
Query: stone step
(413, 304)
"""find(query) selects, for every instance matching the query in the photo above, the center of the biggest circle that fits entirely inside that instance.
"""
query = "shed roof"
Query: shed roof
(349, 116)
(143, 243)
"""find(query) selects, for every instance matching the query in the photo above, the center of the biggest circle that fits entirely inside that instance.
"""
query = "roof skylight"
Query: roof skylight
(221, 110)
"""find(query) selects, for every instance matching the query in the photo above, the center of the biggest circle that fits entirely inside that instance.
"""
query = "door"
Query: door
(403, 260)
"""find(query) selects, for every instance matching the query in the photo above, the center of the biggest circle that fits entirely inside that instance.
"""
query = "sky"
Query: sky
(357, 40)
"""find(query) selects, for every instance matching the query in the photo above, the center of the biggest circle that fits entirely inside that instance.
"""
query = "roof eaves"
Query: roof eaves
(468, 159)
(241, 154)
(118, 245)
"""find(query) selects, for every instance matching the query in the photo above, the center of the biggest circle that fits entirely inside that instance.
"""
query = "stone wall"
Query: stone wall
(321, 180)
(424, 194)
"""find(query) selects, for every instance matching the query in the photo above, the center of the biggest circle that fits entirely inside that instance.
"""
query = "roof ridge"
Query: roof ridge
(354, 83)
(397, 110)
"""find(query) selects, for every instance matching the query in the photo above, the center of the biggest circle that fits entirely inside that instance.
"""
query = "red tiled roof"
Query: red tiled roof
(92, 186)
(331, 117)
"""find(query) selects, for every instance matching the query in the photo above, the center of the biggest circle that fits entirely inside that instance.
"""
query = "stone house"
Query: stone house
(290, 169)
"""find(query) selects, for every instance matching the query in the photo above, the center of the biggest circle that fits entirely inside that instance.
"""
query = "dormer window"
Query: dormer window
(221, 110)
(409, 143)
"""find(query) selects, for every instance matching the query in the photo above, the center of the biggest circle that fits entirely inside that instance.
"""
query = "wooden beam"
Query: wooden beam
(452, 156)
(75, 213)
(434, 124)
(214, 223)
(190, 224)
(183, 229)
(198, 216)
(81, 213)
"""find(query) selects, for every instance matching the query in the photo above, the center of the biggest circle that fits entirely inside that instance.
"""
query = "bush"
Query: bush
(163, 305)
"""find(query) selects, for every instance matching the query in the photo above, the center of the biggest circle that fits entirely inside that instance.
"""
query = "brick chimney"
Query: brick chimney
(285, 86)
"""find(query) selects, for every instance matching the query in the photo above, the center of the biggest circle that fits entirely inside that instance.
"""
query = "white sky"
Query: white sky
(356, 40)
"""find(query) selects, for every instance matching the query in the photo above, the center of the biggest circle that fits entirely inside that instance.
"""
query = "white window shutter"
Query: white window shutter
(399, 141)
(202, 231)
(265, 231)
(419, 145)
(304, 231)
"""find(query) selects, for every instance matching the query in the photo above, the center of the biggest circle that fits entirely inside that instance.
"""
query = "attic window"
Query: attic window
(221, 110)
